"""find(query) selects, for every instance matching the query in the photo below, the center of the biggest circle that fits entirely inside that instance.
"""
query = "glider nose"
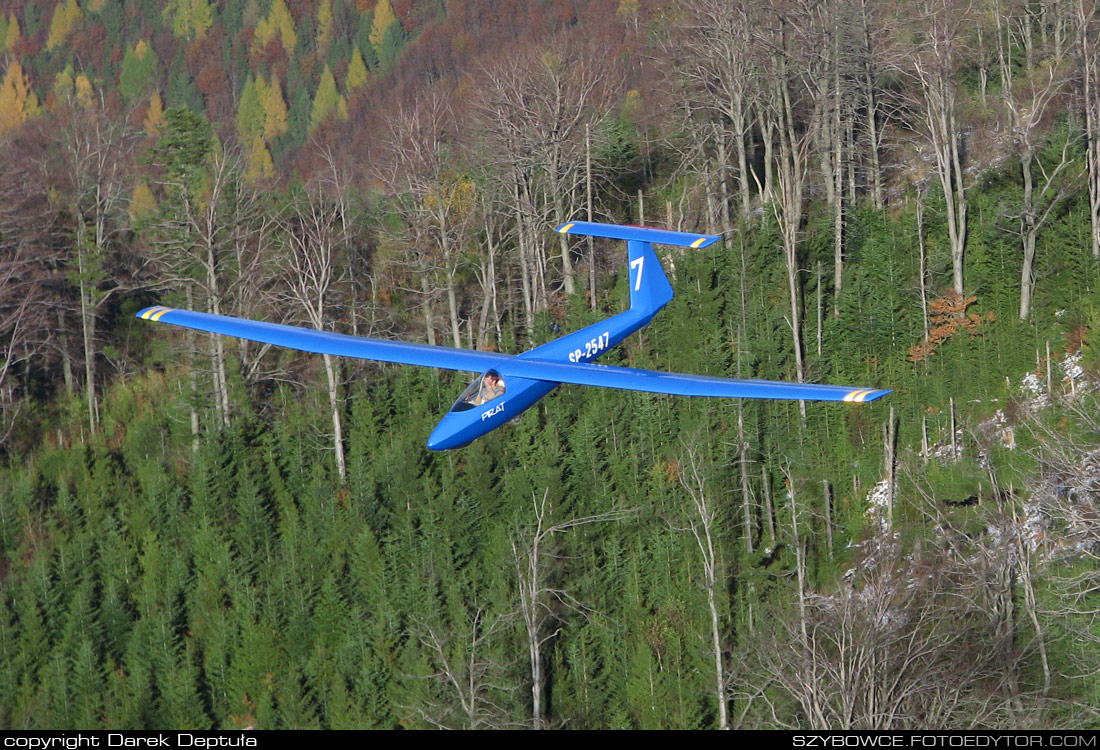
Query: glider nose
(457, 430)
(443, 437)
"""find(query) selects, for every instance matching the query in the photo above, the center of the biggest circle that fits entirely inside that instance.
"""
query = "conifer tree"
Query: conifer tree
(324, 28)
(182, 90)
(142, 202)
(12, 35)
(278, 23)
(383, 19)
(363, 42)
(274, 108)
(298, 116)
(63, 84)
(325, 101)
(18, 101)
(111, 15)
(357, 72)
(154, 116)
(139, 69)
(84, 93)
(393, 40)
(260, 164)
(66, 16)
(191, 18)
(250, 116)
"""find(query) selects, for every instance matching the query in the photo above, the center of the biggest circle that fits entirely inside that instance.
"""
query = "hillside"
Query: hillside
(209, 533)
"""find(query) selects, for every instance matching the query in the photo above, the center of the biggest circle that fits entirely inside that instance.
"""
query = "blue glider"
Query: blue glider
(509, 385)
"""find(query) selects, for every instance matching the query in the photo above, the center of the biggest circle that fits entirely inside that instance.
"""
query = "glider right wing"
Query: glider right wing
(680, 384)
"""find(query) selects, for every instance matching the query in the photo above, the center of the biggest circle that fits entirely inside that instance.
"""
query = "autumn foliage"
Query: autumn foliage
(948, 316)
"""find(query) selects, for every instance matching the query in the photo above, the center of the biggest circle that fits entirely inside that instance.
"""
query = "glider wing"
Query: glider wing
(679, 384)
(325, 342)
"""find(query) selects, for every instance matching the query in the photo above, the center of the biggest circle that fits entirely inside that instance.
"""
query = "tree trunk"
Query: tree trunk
(1089, 50)
(1030, 230)
(334, 406)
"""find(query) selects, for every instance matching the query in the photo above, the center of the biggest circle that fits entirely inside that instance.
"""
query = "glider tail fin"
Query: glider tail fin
(649, 288)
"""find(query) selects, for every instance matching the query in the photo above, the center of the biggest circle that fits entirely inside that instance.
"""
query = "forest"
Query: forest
(199, 532)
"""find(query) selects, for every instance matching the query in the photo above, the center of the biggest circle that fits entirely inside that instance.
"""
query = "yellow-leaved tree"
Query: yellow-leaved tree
(13, 35)
(154, 116)
(84, 93)
(326, 100)
(18, 101)
(274, 107)
(384, 17)
(278, 23)
(142, 202)
(324, 28)
(357, 72)
(66, 16)
(260, 165)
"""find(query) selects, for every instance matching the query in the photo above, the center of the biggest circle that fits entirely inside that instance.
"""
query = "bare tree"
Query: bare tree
(792, 75)
(1059, 532)
(420, 169)
(94, 151)
(1088, 59)
(207, 238)
(472, 680)
(1026, 104)
(703, 527)
(537, 597)
(907, 643)
(533, 114)
(870, 51)
(937, 54)
(30, 251)
(22, 326)
(854, 49)
(315, 235)
(716, 57)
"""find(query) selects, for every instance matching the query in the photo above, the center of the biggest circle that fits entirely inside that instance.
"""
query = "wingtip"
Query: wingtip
(152, 313)
(863, 395)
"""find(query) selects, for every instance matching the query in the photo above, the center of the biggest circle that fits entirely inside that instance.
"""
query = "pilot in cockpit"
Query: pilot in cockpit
(492, 385)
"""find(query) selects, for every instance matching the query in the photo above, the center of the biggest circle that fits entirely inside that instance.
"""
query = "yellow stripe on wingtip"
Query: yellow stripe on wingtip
(151, 311)
(699, 242)
(856, 395)
(157, 316)
(566, 228)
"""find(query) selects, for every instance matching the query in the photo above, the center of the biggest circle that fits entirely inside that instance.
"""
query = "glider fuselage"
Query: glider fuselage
(461, 426)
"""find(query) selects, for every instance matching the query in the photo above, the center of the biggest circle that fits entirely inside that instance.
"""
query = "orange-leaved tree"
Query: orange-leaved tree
(948, 316)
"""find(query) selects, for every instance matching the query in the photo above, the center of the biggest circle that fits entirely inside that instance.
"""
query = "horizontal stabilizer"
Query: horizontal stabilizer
(325, 342)
(639, 234)
(679, 384)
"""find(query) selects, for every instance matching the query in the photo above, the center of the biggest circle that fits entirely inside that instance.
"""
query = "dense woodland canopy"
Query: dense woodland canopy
(198, 532)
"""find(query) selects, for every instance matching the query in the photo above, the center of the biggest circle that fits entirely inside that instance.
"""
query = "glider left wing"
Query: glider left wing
(680, 384)
(325, 342)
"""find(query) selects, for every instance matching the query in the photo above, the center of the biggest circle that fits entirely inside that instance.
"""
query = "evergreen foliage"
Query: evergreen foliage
(198, 562)
(139, 71)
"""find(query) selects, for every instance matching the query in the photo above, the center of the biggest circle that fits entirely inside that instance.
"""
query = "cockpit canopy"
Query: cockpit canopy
(484, 388)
